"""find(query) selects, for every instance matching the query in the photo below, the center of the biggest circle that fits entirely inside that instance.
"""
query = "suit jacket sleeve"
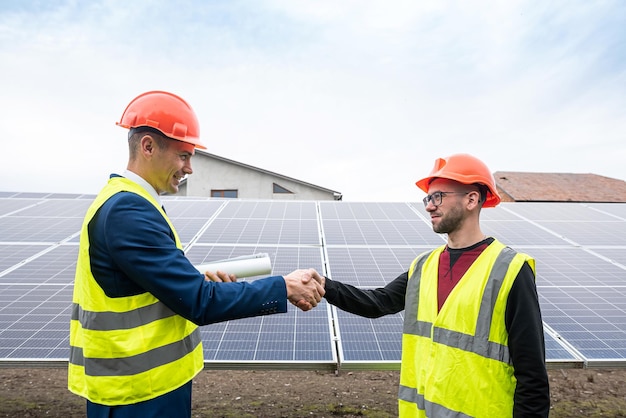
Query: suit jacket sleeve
(132, 251)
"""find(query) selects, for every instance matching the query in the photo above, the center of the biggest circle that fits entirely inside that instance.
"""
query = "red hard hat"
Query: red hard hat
(465, 169)
(165, 112)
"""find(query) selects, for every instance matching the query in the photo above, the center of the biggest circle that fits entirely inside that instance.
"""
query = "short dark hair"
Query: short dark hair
(144, 130)
(135, 135)
(483, 190)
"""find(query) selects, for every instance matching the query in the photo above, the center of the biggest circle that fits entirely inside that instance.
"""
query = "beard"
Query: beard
(449, 222)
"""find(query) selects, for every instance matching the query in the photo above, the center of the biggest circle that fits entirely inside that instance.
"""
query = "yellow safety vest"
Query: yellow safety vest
(128, 349)
(455, 363)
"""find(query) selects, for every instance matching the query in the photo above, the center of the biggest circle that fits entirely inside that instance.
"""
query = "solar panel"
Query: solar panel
(590, 233)
(245, 222)
(187, 228)
(564, 212)
(56, 266)
(573, 266)
(501, 212)
(34, 321)
(615, 255)
(369, 343)
(377, 343)
(57, 209)
(519, 232)
(580, 253)
(248, 209)
(559, 352)
(29, 195)
(38, 230)
(379, 232)
(366, 211)
(616, 209)
(284, 259)
(593, 320)
(200, 209)
(370, 266)
(9, 206)
(15, 254)
(295, 339)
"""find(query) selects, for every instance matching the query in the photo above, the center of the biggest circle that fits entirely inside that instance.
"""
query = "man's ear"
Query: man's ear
(147, 144)
(474, 197)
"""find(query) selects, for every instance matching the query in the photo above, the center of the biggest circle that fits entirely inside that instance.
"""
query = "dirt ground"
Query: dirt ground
(28, 393)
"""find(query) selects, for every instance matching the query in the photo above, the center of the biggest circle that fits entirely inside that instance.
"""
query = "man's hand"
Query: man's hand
(219, 276)
(304, 289)
(303, 304)
(318, 278)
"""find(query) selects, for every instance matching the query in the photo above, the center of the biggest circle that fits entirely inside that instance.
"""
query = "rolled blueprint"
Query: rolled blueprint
(244, 266)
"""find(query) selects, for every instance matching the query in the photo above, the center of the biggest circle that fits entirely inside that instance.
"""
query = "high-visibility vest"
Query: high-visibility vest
(455, 362)
(129, 349)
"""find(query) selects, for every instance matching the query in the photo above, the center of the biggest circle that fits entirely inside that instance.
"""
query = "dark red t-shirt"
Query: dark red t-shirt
(453, 263)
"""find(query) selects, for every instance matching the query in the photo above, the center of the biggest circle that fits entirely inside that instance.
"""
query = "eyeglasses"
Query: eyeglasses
(437, 197)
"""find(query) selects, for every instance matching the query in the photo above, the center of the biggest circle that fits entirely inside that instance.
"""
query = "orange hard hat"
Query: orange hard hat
(465, 169)
(165, 112)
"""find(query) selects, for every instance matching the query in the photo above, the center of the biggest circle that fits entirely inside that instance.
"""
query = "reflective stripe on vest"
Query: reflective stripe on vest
(128, 349)
(430, 409)
(112, 321)
(502, 264)
(109, 321)
(136, 364)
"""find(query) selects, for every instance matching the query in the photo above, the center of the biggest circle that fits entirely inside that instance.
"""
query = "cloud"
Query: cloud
(355, 96)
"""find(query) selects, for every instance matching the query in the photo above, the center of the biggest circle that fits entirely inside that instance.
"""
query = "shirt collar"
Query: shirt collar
(140, 181)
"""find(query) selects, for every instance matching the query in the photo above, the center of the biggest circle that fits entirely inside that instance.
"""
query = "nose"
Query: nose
(187, 167)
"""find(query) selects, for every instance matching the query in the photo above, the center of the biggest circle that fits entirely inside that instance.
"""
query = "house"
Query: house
(215, 176)
(516, 186)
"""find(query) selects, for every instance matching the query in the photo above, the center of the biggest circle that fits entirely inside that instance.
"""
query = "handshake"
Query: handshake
(305, 287)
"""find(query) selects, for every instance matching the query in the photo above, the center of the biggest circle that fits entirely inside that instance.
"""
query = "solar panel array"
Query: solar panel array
(580, 251)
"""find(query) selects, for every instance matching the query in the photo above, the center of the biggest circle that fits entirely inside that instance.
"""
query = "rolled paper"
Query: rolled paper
(244, 266)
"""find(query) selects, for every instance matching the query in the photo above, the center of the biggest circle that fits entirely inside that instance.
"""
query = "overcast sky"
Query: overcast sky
(355, 96)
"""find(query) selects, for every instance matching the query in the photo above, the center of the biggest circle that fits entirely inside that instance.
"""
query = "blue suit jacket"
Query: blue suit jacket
(132, 251)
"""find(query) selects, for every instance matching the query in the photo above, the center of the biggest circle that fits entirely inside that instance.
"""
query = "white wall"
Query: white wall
(210, 173)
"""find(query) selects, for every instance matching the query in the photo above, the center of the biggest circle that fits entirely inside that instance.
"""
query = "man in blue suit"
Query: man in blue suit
(134, 340)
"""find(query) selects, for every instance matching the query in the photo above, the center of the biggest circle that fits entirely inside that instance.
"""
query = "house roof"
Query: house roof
(250, 167)
(558, 187)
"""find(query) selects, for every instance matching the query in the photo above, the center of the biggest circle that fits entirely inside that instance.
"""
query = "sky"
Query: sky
(356, 96)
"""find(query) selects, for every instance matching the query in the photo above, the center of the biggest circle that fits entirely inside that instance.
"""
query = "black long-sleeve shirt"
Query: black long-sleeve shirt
(522, 320)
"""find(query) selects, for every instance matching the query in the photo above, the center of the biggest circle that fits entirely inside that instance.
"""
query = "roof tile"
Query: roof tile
(558, 187)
